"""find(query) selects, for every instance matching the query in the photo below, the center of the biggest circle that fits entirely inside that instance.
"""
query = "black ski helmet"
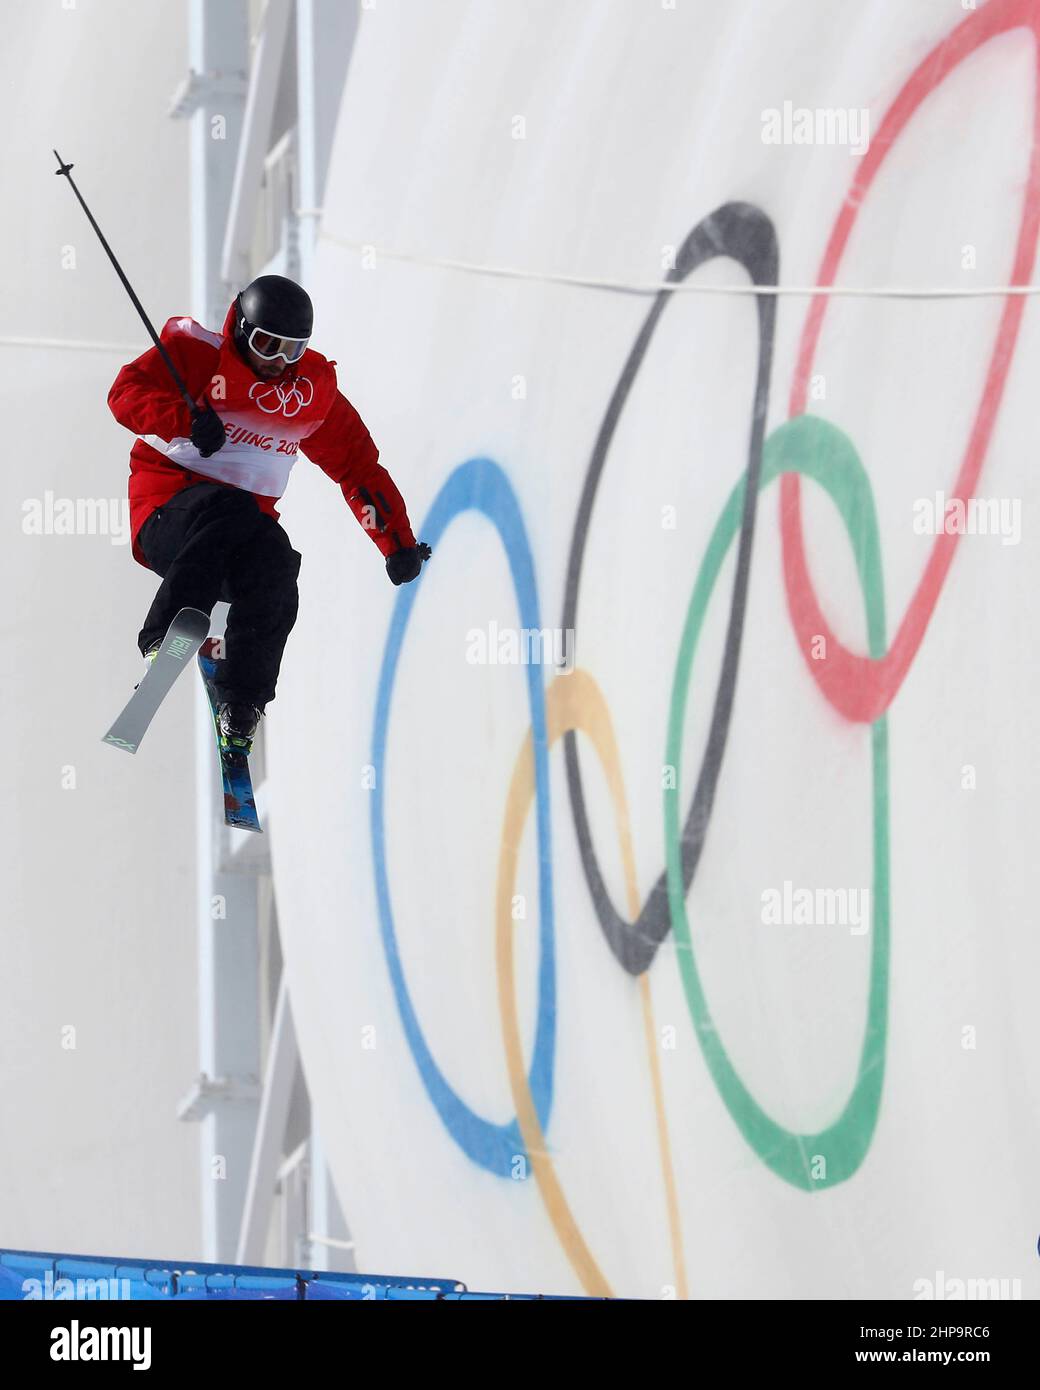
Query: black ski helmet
(275, 305)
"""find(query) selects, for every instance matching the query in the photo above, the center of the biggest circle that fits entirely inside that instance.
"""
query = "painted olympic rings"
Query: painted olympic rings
(860, 687)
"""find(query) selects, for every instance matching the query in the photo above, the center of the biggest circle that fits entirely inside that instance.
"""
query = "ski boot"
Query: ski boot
(149, 657)
(236, 726)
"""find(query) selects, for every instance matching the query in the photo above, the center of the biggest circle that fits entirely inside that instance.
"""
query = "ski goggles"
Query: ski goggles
(269, 346)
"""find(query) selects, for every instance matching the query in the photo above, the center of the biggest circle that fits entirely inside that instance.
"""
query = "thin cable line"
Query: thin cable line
(74, 344)
(590, 282)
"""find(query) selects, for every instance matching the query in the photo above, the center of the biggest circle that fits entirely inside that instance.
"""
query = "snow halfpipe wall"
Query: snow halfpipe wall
(689, 949)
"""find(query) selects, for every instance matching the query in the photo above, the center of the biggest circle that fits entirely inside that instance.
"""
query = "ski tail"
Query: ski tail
(239, 803)
(184, 637)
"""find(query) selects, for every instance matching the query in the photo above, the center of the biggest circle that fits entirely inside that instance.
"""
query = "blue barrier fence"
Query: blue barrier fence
(29, 1275)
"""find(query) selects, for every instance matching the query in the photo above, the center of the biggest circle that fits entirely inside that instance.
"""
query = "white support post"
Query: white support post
(328, 1234)
(325, 33)
(264, 73)
(229, 996)
(282, 1063)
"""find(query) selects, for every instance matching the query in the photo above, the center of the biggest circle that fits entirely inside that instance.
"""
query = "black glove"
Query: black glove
(404, 565)
(207, 431)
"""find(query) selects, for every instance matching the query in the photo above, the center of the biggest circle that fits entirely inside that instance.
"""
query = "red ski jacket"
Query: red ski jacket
(266, 423)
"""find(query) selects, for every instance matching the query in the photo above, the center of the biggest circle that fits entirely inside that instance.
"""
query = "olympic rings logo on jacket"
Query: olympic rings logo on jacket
(289, 399)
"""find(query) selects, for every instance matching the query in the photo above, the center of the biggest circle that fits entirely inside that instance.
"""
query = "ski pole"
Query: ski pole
(196, 410)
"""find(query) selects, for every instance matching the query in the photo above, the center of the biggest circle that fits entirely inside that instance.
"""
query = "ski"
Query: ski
(239, 806)
(183, 639)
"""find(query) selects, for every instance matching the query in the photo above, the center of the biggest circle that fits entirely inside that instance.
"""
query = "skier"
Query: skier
(203, 491)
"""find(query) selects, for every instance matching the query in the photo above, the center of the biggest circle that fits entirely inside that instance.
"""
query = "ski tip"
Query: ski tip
(114, 741)
(243, 822)
(192, 622)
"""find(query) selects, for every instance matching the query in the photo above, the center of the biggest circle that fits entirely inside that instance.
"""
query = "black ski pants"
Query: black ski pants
(211, 542)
